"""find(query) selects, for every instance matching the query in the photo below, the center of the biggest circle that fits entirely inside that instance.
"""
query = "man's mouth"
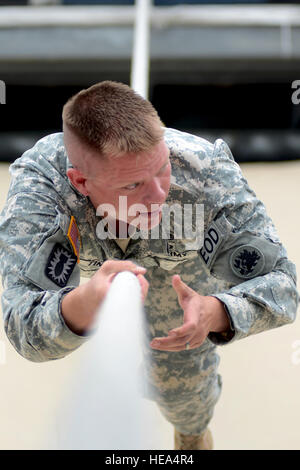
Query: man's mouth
(151, 214)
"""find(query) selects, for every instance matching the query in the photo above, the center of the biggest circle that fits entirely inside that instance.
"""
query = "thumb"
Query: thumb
(183, 290)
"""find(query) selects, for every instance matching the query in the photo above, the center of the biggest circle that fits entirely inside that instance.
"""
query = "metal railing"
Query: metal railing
(44, 2)
(143, 16)
(160, 17)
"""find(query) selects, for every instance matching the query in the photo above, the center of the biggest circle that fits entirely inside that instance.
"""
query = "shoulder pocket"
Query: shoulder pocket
(54, 264)
(236, 257)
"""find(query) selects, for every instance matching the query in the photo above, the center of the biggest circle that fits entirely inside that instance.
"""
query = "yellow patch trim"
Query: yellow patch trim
(77, 235)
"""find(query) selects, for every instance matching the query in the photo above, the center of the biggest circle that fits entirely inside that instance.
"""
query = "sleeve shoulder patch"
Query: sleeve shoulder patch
(247, 261)
(60, 265)
(235, 257)
(54, 264)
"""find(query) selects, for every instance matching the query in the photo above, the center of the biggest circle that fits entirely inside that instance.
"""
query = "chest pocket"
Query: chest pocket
(54, 264)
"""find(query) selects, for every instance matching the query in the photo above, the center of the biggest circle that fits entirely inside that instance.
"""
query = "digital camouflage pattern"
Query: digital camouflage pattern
(241, 262)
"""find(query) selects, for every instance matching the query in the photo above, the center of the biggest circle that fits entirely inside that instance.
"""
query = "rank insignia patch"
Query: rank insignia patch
(247, 261)
(60, 265)
(74, 237)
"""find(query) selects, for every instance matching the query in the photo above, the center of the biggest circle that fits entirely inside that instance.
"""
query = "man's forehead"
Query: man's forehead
(97, 166)
(131, 164)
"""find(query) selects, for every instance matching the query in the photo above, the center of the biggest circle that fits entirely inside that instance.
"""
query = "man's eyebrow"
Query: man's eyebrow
(165, 164)
(161, 168)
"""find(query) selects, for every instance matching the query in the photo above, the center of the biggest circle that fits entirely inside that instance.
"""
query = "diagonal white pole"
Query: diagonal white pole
(104, 406)
(141, 45)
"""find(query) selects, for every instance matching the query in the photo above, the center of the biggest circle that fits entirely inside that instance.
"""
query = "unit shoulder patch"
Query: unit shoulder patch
(60, 265)
(247, 261)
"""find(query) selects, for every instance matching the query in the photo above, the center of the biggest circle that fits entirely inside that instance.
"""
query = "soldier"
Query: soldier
(237, 283)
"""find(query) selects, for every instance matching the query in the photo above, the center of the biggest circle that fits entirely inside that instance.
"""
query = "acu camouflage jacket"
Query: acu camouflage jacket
(241, 260)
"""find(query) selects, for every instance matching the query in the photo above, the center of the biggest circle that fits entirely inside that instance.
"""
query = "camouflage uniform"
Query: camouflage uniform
(241, 262)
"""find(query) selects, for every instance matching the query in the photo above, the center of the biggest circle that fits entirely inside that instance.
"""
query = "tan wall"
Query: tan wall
(259, 408)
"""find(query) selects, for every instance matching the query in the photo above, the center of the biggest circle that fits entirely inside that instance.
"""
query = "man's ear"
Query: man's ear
(78, 180)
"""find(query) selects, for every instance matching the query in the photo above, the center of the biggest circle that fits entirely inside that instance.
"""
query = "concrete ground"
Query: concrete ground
(260, 404)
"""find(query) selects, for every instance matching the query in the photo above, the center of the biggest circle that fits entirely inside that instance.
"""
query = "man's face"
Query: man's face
(142, 178)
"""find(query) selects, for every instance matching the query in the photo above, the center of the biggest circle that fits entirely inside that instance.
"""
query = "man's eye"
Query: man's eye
(131, 186)
(164, 168)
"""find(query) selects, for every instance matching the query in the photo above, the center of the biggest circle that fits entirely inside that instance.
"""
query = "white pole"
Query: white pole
(103, 407)
(140, 53)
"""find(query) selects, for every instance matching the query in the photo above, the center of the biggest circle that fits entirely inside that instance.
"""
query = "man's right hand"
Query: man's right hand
(79, 306)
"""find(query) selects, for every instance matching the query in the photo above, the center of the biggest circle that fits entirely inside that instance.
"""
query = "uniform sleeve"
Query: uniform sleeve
(241, 246)
(38, 268)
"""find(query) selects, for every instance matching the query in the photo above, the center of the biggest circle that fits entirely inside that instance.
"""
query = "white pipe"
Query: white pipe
(140, 52)
(103, 406)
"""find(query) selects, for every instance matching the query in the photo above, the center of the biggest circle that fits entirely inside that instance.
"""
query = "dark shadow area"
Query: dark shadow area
(258, 121)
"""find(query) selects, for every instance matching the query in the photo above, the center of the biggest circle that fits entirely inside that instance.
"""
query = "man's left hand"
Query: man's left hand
(201, 315)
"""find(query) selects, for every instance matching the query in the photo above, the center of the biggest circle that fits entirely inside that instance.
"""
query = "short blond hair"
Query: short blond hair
(111, 117)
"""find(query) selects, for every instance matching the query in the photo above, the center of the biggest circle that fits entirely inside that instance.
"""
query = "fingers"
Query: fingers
(115, 266)
(178, 344)
(187, 329)
(112, 267)
(144, 286)
(174, 342)
(169, 343)
(182, 289)
(102, 279)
